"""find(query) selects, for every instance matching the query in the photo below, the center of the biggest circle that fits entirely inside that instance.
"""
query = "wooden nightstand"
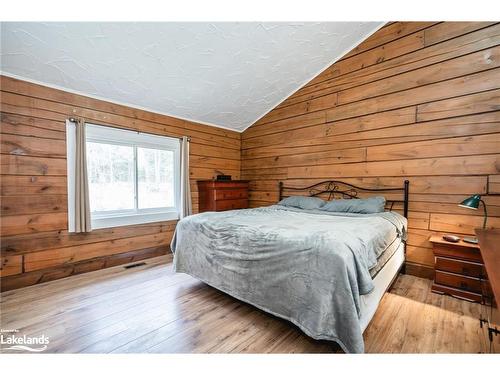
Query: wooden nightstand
(458, 269)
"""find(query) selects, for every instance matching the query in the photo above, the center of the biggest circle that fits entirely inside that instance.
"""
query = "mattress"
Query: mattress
(385, 256)
(382, 281)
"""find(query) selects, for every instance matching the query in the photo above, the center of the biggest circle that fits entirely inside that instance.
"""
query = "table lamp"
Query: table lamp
(473, 203)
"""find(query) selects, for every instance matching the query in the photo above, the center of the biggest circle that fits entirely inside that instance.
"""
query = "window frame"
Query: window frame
(115, 136)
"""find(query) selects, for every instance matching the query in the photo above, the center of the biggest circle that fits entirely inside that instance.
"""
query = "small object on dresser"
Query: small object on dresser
(451, 238)
(221, 176)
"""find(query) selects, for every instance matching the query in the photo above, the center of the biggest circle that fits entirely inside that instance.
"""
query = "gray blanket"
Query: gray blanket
(309, 267)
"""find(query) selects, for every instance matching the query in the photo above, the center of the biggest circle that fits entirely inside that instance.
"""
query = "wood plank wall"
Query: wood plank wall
(417, 101)
(35, 244)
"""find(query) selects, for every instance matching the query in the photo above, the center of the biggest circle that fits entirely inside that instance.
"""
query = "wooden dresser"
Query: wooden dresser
(458, 269)
(222, 195)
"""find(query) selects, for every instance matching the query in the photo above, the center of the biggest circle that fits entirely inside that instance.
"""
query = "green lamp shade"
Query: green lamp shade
(471, 202)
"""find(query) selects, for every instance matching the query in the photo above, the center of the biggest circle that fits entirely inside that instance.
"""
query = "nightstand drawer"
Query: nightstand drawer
(463, 267)
(458, 293)
(453, 251)
(231, 194)
(231, 204)
(458, 281)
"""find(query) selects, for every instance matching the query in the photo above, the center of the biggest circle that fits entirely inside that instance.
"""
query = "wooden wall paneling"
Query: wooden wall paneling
(50, 258)
(464, 224)
(484, 123)
(47, 128)
(44, 240)
(494, 184)
(460, 66)
(313, 132)
(395, 48)
(57, 111)
(474, 103)
(15, 185)
(297, 122)
(471, 84)
(455, 47)
(400, 116)
(24, 279)
(421, 101)
(11, 265)
(418, 220)
(387, 34)
(21, 224)
(32, 166)
(460, 146)
(339, 137)
(325, 157)
(32, 146)
(477, 164)
(312, 105)
(420, 255)
(453, 207)
(33, 182)
(10, 127)
(421, 186)
(448, 30)
(32, 204)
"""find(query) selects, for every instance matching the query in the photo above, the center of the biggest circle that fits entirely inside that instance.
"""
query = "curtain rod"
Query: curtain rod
(72, 119)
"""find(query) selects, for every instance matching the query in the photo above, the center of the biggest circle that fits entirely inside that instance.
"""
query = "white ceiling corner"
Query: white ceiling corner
(223, 74)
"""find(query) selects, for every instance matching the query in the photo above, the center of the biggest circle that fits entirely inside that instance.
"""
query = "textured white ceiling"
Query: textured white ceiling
(224, 74)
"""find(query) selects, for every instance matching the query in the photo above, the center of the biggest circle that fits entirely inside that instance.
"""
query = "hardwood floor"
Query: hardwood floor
(152, 309)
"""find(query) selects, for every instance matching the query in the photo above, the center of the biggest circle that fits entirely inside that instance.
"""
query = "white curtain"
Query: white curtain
(186, 206)
(78, 187)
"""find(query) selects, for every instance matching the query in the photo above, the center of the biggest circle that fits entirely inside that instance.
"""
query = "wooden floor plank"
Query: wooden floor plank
(152, 309)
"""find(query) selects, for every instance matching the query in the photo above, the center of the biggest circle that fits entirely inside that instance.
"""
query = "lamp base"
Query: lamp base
(470, 240)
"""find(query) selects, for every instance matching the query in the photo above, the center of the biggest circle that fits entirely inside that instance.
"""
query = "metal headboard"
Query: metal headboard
(345, 190)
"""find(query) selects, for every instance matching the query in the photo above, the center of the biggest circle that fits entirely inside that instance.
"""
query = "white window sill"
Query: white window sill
(119, 221)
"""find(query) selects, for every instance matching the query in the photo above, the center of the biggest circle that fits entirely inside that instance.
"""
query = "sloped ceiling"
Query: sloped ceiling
(223, 74)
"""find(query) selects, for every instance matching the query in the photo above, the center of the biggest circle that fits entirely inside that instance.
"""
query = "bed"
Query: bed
(326, 272)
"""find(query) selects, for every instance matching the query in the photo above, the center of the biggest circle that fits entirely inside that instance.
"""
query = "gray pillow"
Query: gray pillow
(306, 203)
(356, 206)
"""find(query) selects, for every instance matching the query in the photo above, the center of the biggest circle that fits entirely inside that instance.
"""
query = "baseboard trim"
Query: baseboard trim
(88, 265)
(420, 270)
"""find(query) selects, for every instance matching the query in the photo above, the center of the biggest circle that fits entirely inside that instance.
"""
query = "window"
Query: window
(133, 177)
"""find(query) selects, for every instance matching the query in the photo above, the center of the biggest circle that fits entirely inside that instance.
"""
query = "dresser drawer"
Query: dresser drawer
(211, 184)
(464, 253)
(463, 267)
(221, 194)
(458, 281)
(231, 204)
